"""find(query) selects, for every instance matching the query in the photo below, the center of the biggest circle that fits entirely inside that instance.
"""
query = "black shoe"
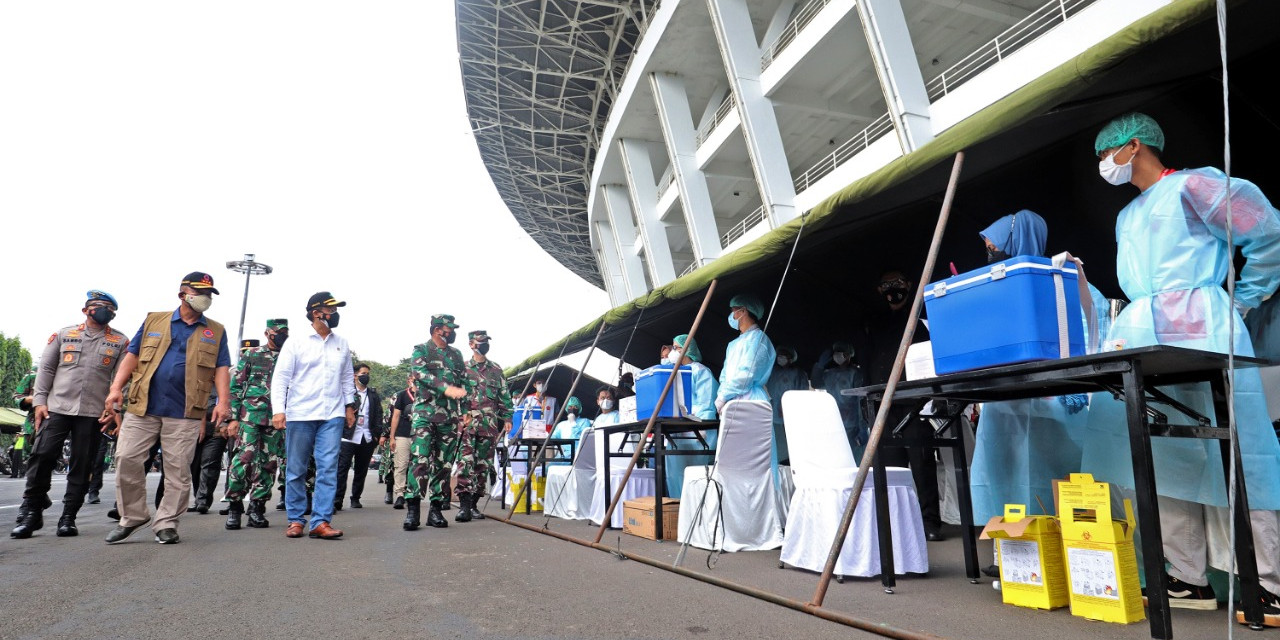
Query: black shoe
(26, 505)
(34, 521)
(934, 536)
(202, 508)
(67, 526)
(464, 509)
(412, 516)
(1270, 610)
(387, 500)
(113, 514)
(234, 512)
(121, 532)
(167, 536)
(355, 503)
(224, 511)
(94, 498)
(435, 518)
(476, 513)
(991, 571)
(280, 505)
(399, 503)
(1188, 596)
(447, 505)
(257, 514)
(337, 506)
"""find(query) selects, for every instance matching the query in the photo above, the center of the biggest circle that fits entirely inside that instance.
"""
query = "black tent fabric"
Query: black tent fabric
(1035, 151)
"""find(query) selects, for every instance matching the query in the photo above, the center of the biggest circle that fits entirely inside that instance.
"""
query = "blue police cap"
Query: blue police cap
(96, 294)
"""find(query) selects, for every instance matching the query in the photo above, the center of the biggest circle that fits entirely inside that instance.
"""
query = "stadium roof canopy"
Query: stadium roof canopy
(539, 77)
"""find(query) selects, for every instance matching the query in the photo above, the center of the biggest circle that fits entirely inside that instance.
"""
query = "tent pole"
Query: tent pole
(537, 458)
(882, 413)
(523, 391)
(648, 428)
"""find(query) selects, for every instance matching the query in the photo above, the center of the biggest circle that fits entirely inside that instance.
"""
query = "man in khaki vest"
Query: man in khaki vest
(174, 362)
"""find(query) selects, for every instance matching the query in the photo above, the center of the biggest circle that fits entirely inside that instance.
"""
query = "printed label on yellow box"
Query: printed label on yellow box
(1020, 562)
(1093, 573)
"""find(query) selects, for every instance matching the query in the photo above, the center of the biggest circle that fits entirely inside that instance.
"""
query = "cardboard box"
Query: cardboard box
(1004, 313)
(1032, 573)
(638, 517)
(627, 410)
(1102, 565)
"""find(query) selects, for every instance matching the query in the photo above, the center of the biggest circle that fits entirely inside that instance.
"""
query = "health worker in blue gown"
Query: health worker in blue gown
(786, 376)
(836, 371)
(687, 354)
(1172, 262)
(574, 424)
(606, 399)
(749, 358)
(1023, 445)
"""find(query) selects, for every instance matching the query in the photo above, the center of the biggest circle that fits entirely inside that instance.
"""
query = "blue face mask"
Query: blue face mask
(733, 322)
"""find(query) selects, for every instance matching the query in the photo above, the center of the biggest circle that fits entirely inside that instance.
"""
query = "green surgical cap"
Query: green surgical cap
(573, 402)
(749, 302)
(693, 352)
(1127, 127)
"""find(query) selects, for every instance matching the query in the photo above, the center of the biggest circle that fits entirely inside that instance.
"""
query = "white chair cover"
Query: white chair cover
(823, 470)
(735, 504)
(569, 488)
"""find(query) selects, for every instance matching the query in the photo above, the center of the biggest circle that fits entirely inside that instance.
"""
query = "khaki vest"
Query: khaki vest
(202, 362)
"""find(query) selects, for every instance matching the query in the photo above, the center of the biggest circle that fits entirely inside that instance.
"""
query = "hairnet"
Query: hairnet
(749, 302)
(693, 352)
(789, 352)
(1021, 234)
(573, 402)
(1127, 127)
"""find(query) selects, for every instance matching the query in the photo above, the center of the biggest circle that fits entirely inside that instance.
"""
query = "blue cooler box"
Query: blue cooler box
(1004, 313)
(649, 384)
(517, 419)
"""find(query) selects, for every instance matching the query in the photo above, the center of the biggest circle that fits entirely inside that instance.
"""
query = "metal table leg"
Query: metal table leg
(1246, 558)
(1148, 510)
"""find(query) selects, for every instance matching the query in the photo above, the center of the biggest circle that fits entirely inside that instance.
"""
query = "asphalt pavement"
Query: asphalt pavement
(480, 580)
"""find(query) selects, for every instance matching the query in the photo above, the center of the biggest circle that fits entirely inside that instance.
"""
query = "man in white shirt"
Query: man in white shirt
(313, 392)
(359, 440)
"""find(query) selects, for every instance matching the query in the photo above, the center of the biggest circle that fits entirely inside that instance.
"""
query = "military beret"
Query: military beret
(96, 294)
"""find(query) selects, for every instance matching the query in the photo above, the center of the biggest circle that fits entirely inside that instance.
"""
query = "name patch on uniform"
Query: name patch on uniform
(153, 334)
(209, 340)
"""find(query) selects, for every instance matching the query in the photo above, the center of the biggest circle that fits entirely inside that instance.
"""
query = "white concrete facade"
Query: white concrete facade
(735, 116)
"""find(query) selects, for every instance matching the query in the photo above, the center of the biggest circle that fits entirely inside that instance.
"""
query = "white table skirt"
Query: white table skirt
(641, 484)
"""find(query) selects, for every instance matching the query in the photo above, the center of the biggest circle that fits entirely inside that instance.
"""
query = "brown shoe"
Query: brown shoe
(294, 530)
(323, 530)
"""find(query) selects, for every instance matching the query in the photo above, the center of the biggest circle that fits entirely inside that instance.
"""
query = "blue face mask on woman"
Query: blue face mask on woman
(733, 321)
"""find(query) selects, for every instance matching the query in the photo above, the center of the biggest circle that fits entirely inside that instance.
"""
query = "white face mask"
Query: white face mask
(673, 356)
(606, 405)
(840, 358)
(783, 361)
(200, 303)
(1115, 174)
(539, 387)
(573, 414)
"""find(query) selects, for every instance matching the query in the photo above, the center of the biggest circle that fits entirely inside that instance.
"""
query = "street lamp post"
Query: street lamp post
(248, 267)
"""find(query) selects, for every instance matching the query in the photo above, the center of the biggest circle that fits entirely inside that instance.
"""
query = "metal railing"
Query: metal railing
(740, 229)
(804, 16)
(664, 183)
(846, 150)
(722, 112)
(693, 266)
(1038, 23)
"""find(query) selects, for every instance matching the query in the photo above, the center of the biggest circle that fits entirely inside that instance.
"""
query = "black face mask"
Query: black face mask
(102, 315)
(996, 256)
(364, 379)
(450, 337)
(896, 295)
(482, 348)
(331, 319)
(278, 340)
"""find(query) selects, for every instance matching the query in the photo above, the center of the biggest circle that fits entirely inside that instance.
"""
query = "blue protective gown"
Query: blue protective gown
(1171, 262)
(782, 380)
(836, 379)
(703, 408)
(748, 363)
(569, 430)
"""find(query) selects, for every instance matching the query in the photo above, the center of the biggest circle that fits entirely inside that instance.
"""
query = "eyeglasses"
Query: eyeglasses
(891, 284)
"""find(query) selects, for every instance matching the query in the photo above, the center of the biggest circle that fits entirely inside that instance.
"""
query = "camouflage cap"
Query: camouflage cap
(479, 335)
(277, 323)
(443, 319)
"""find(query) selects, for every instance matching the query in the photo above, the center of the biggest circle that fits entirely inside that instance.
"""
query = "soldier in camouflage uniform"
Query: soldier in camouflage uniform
(440, 375)
(260, 446)
(22, 397)
(490, 410)
(386, 462)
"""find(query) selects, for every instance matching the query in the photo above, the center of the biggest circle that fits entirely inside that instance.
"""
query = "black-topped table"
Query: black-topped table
(530, 447)
(1132, 374)
(663, 429)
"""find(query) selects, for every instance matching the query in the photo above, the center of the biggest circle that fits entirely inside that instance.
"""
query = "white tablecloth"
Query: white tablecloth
(642, 484)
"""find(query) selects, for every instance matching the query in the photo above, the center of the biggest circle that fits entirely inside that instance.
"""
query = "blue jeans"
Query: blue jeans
(302, 438)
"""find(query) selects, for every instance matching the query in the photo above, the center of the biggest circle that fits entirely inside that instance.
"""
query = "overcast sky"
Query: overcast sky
(140, 141)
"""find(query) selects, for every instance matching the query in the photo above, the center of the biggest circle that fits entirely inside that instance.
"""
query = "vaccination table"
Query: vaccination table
(665, 430)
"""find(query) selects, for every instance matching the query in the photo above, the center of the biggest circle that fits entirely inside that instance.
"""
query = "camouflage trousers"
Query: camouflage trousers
(254, 458)
(280, 475)
(386, 460)
(431, 455)
(475, 453)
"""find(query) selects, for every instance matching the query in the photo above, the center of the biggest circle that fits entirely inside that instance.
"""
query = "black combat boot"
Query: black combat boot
(412, 516)
(476, 513)
(388, 499)
(235, 509)
(28, 504)
(258, 514)
(399, 503)
(31, 521)
(464, 508)
(67, 523)
(280, 505)
(435, 518)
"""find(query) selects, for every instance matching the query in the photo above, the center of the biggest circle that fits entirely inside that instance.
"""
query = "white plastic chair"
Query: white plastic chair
(569, 487)
(823, 469)
(734, 505)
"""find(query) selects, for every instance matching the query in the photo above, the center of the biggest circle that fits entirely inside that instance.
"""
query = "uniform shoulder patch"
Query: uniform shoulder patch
(52, 337)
